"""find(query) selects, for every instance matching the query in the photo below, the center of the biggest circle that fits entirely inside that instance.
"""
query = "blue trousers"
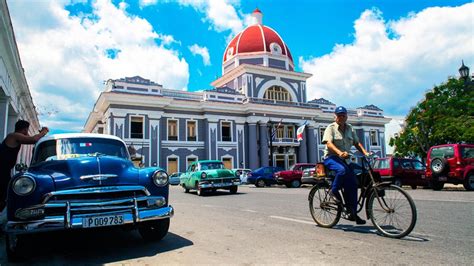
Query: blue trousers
(345, 178)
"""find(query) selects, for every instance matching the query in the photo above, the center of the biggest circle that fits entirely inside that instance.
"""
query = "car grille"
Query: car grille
(95, 200)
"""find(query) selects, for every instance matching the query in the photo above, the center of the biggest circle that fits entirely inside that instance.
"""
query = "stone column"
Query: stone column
(252, 146)
(311, 145)
(263, 144)
(302, 151)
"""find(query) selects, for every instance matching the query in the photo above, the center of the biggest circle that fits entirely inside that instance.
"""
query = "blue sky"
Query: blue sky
(386, 53)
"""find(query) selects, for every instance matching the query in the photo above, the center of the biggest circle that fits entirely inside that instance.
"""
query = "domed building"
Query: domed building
(248, 120)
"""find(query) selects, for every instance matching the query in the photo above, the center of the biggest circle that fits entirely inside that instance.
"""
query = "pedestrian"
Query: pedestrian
(9, 149)
(339, 137)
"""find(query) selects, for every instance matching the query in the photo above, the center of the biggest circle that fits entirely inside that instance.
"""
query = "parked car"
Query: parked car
(209, 175)
(174, 178)
(292, 176)
(308, 176)
(83, 181)
(451, 163)
(242, 174)
(263, 176)
(401, 171)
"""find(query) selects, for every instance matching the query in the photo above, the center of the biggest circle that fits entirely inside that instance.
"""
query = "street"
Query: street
(268, 226)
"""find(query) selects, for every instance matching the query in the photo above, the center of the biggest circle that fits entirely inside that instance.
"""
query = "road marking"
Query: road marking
(292, 220)
(444, 200)
(249, 211)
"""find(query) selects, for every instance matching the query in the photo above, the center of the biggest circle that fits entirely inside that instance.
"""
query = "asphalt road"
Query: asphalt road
(270, 226)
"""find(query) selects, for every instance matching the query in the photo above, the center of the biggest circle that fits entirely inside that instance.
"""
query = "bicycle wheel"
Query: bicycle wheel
(325, 213)
(395, 214)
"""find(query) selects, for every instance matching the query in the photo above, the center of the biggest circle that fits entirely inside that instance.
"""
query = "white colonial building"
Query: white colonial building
(15, 98)
(259, 89)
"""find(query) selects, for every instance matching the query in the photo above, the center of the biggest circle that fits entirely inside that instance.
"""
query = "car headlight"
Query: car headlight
(160, 178)
(203, 175)
(24, 185)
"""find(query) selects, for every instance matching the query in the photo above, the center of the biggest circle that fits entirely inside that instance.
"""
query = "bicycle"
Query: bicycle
(391, 209)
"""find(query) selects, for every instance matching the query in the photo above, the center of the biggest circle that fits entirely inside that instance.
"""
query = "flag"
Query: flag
(274, 130)
(299, 132)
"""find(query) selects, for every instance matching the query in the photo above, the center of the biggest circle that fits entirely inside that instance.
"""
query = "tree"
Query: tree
(446, 115)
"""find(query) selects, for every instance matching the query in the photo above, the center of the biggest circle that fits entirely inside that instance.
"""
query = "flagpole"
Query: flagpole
(271, 143)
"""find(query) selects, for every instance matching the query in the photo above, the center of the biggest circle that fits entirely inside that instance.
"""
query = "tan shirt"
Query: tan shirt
(342, 140)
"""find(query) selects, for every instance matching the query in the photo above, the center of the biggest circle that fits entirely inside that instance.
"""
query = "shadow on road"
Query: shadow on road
(371, 230)
(94, 247)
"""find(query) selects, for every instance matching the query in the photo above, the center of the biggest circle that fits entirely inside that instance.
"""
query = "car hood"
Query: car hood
(219, 173)
(286, 172)
(90, 171)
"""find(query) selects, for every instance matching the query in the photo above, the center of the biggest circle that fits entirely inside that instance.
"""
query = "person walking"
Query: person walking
(9, 149)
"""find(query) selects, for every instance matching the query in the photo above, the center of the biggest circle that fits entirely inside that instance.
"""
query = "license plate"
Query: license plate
(423, 176)
(99, 221)
(442, 178)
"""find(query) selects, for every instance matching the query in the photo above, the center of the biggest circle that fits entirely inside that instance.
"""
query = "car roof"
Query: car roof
(78, 135)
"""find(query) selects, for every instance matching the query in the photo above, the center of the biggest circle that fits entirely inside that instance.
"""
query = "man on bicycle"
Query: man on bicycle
(339, 138)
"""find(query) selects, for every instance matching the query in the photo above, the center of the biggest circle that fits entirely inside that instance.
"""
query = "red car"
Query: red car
(292, 177)
(451, 163)
(401, 171)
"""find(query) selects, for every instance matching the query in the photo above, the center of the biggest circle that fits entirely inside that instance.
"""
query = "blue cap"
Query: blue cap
(340, 110)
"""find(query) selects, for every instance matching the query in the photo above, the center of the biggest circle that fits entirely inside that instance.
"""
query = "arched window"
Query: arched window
(277, 93)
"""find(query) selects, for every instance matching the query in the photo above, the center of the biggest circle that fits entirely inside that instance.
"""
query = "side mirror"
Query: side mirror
(21, 167)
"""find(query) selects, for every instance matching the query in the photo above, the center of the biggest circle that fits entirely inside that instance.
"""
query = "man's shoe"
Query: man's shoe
(356, 218)
(335, 198)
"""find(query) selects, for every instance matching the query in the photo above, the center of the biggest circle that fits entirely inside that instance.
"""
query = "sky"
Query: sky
(382, 52)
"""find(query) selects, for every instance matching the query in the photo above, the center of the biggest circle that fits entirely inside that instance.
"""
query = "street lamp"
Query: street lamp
(464, 71)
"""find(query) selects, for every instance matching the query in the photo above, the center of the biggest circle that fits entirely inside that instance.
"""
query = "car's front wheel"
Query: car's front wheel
(295, 183)
(154, 230)
(13, 245)
(469, 182)
(233, 189)
(260, 183)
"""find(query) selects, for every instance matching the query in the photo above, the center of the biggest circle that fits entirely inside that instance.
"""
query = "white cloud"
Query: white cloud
(66, 57)
(392, 64)
(143, 3)
(202, 51)
(221, 14)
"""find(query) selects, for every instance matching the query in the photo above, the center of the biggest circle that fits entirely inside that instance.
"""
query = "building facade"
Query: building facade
(15, 98)
(248, 120)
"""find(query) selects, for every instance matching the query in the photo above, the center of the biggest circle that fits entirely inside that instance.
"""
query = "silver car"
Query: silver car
(307, 177)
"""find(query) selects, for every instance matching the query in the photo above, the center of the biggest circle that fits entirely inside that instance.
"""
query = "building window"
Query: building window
(172, 129)
(374, 140)
(190, 160)
(280, 132)
(227, 161)
(191, 130)
(226, 131)
(136, 127)
(172, 165)
(291, 132)
(277, 93)
(100, 130)
(321, 134)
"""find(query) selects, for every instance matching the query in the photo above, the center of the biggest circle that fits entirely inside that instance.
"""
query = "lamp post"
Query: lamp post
(464, 73)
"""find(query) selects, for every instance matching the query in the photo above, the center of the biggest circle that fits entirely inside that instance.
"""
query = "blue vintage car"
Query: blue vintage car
(85, 181)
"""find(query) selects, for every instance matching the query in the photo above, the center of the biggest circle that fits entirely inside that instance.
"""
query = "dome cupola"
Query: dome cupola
(258, 45)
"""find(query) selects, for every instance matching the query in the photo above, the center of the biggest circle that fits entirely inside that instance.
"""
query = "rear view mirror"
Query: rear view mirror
(21, 167)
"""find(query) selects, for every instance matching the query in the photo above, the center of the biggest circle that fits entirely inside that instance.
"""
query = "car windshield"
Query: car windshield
(381, 164)
(67, 148)
(211, 166)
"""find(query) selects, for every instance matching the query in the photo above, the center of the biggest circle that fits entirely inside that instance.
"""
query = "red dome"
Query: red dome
(256, 39)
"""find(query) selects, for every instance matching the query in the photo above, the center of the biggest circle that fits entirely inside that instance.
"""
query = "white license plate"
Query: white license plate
(442, 178)
(99, 221)
(423, 176)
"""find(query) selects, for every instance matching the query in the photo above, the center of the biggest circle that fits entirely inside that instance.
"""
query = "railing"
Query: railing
(281, 103)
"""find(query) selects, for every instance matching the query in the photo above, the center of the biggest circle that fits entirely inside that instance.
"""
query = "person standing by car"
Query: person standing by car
(339, 138)
(9, 149)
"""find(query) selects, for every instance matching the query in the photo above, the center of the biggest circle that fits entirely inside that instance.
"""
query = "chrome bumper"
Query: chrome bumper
(69, 220)
(207, 184)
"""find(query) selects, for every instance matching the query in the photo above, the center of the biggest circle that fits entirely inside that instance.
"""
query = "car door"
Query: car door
(408, 175)
(268, 173)
(186, 176)
(419, 169)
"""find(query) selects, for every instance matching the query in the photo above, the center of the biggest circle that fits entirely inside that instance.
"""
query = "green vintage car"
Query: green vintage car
(209, 175)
